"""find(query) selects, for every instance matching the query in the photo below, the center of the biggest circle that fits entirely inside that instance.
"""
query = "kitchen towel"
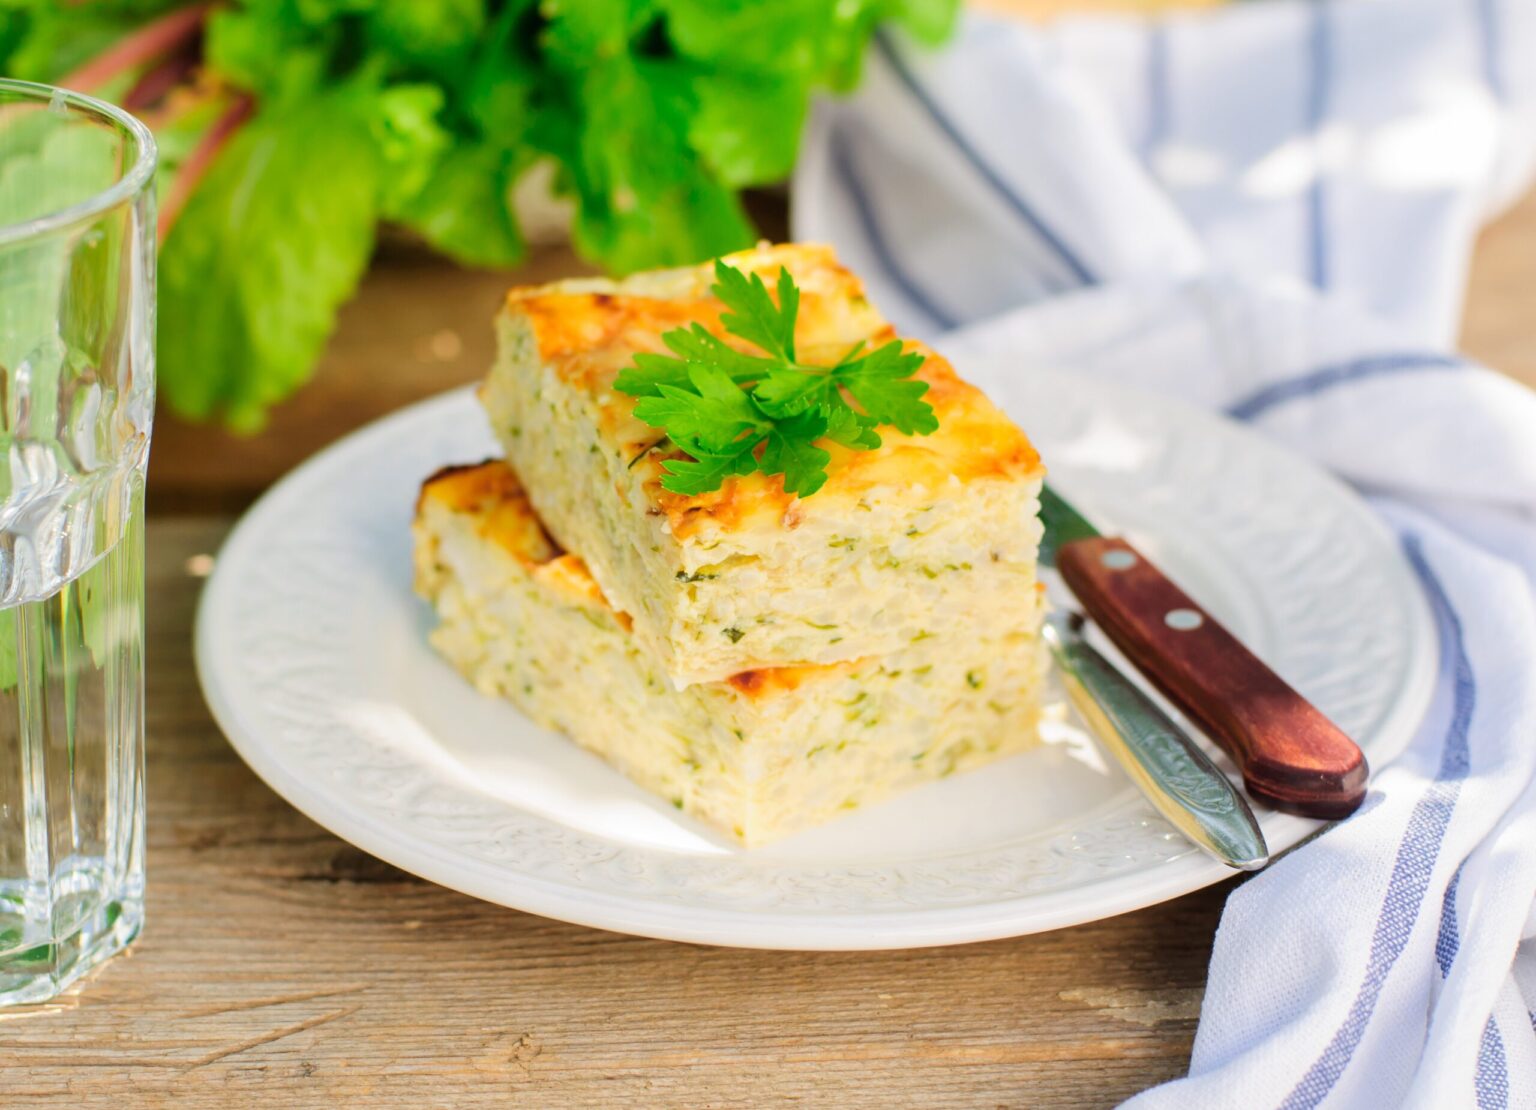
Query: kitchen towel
(1269, 209)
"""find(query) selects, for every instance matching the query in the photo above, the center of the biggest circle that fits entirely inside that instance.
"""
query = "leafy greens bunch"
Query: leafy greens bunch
(736, 413)
(290, 129)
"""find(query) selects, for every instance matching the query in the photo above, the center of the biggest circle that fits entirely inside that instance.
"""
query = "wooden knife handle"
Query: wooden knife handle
(1291, 756)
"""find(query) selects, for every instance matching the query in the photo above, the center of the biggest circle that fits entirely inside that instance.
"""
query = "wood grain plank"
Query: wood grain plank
(1498, 328)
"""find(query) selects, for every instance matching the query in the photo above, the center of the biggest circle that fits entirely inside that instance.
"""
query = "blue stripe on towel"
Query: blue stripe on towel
(1320, 49)
(1079, 271)
(1319, 381)
(1488, 44)
(842, 166)
(1157, 92)
(1492, 1080)
(1417, 853)
(1448, 942)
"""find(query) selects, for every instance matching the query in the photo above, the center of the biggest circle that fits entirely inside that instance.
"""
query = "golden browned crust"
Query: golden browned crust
(766, 681)
(491, 492)
(453, 484)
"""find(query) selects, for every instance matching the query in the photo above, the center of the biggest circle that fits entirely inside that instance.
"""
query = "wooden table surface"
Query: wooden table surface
(283, 964)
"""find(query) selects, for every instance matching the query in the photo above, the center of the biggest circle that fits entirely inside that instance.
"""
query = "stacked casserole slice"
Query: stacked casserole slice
(763, 661)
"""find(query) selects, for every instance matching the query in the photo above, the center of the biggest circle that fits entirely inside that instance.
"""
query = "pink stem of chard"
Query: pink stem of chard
(191, 171)
(156, 38)
(157, 82)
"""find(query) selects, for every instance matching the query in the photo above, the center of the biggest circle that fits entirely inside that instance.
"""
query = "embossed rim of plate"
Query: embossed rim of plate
(543, 867)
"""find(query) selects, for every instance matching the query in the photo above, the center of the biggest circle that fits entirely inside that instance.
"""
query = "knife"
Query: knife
(1291, 756)
(1175, 775)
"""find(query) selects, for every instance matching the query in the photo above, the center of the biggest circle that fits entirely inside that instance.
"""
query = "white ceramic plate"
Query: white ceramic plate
(313, 654)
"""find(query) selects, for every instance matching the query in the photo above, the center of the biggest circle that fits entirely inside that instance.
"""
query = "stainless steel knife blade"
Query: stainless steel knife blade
(1063, 524)
(1178, 778)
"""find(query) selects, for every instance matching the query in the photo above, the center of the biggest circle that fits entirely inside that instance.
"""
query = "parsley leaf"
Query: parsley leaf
(708, 471)
(754, 316)
(736, 413)
(882, 384)
(791, 451)
(713, 412)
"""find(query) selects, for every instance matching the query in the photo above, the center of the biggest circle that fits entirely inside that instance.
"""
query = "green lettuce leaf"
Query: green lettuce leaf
(41, 40)
(465, 209)
(782, 38)
(436, 35)
(645, 198)
(411, 140)
(273, 241)
(747, 128)
(930, 22)
(582, 30)
(276, 49)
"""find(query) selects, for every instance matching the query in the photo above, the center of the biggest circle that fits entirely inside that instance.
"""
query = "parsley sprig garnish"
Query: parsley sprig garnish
(736, 413)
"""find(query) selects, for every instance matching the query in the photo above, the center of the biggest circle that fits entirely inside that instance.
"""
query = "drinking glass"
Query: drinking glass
(77, 281)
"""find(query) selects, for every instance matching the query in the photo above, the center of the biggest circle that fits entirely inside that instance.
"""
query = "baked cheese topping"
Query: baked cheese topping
(587, 336)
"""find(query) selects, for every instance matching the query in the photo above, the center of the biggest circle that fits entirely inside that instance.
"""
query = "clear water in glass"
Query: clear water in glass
(77, 243)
